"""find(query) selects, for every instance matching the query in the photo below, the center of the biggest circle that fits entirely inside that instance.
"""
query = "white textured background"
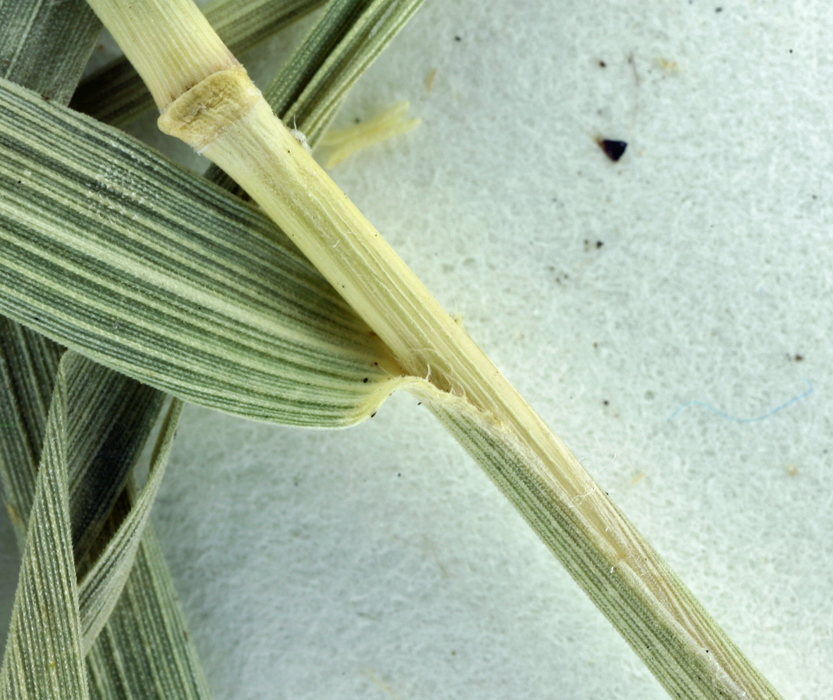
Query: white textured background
(379, 562)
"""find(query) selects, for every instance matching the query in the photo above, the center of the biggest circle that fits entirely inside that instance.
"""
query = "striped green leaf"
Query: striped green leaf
(110, 249)
(28, 366)
(108, 421)
(314, 82)
(145, 651)
(32, 54)
(117, 666)
(56, 620)
(649, 605)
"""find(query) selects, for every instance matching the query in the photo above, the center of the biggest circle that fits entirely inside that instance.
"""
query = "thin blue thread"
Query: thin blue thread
(744, 420)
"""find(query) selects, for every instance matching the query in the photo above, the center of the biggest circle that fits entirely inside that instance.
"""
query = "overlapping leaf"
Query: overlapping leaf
(30, 30)
(102, 584)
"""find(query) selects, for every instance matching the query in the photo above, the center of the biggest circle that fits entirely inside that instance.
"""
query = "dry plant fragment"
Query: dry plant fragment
(208, 101)
(384, 126)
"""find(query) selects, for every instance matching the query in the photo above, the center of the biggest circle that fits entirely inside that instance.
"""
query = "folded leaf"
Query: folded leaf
(117, 665)
(109, 418)
(28, 366)
(145, 652)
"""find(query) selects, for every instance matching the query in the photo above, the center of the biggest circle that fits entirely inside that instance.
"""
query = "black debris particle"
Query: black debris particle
(372, 415)
(458, 38)
(612, 149)
(718, 9)
(602, 64)
(599, 244)
(606, 402)
(365, 380)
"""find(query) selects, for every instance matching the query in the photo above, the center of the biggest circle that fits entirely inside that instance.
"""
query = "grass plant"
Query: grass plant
(161, 282)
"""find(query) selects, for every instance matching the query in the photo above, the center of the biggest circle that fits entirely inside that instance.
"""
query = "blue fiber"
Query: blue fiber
(722, 414)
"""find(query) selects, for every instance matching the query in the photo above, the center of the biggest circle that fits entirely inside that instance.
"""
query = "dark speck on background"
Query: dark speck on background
(612, 149)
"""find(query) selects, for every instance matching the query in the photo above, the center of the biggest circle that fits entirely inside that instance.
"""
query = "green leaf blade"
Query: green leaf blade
(658, 616)
(111, 250)
(43, 657)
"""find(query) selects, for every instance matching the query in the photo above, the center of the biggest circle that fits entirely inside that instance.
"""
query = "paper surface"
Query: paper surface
(690, 280)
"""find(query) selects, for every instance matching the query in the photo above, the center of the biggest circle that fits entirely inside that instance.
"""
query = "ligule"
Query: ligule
(116, 94)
